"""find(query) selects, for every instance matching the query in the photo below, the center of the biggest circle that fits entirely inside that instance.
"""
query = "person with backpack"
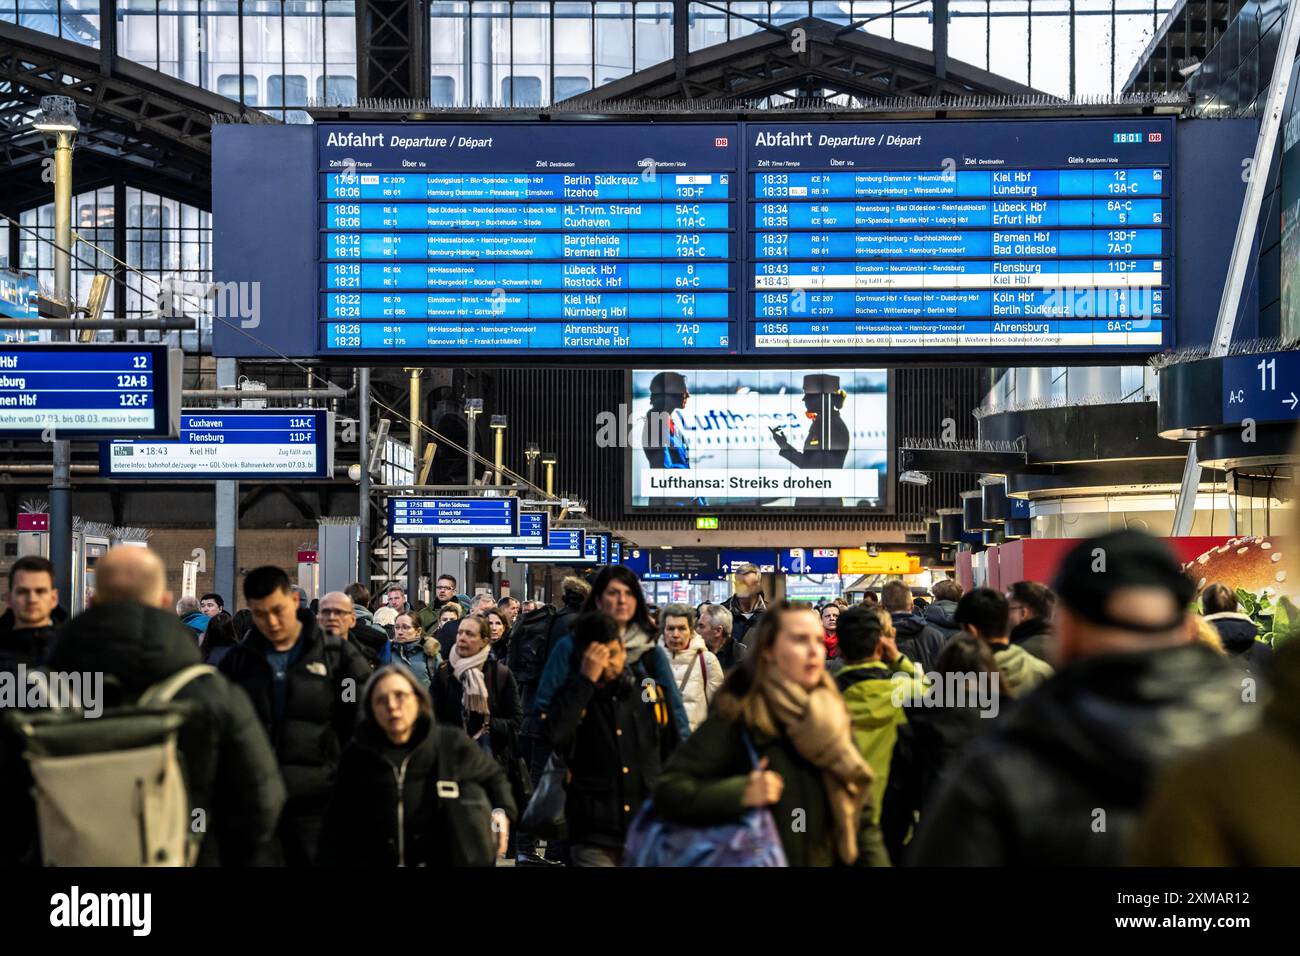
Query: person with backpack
(411, 792)
(304, 687)
(617, 593)
(411, 646)
(779, 736)
(132, 636)
(614, 735)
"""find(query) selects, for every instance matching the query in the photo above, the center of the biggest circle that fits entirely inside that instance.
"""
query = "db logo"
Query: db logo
(720, 141)
(1154, 137)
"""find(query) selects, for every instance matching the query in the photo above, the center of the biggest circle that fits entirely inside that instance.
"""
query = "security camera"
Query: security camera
(914, 478)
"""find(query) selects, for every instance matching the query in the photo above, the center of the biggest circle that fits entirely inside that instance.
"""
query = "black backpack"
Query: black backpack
(530, 644)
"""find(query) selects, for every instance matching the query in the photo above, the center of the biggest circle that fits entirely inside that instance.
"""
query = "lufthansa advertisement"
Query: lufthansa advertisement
(801, 438)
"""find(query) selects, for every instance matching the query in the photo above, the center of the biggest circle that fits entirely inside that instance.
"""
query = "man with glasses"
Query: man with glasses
(337, 618)
(444, 593)
(1030, 607)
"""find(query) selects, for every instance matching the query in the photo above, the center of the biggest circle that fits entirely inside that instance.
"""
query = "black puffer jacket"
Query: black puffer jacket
(615, 744)
(26, 645)
(1237, 631)
(918, 641)
(1062, 782)
(318, 715)
(1032, 634)
(362, 824)
(229, 765)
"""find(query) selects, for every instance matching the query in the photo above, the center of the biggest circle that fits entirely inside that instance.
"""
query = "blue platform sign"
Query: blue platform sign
(596, 548)
(438, 517)
(534, 528)
(1263, 387)
(562, 545)
(231, 444)
(89, 391)
(808, 560)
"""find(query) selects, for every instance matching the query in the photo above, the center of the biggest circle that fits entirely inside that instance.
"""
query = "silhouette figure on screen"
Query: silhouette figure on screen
(664, 439)
(827, 444)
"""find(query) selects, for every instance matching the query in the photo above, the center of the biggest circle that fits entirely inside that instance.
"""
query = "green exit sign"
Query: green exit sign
(706, 522)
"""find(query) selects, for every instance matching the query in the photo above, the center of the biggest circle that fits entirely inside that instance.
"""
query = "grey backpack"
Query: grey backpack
(110, 790)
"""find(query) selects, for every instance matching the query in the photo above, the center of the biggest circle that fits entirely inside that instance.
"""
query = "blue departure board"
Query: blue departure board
(562, 544)
(534, 528)
(231, 444)
(89, 391)
(437, 517)
(597, 548)
(960, 236)
(513, 238)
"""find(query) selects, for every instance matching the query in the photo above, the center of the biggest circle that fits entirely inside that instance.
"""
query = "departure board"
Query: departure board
(953, 235)
(528, 239)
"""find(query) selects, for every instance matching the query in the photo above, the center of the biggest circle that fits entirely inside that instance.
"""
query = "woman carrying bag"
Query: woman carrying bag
(779, 737)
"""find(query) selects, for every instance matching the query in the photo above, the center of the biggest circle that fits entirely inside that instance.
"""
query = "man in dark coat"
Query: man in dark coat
(612, 739)
(917, 641)
(1030, 613)
(747, 604)
(28, 623)
(1063, 780)
(714, 624)
(132, 637)
(304, 688)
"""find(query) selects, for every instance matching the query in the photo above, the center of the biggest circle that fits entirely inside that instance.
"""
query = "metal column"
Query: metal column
(363, 506)
(61, 483)
(225, 561)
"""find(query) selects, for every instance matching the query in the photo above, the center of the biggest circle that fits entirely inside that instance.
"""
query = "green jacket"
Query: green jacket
(1233, 802)
(870, 690)
(1022, 670)
(704, 783)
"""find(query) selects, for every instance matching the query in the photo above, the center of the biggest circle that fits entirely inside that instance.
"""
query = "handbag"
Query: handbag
(750, 841)
(544, 815)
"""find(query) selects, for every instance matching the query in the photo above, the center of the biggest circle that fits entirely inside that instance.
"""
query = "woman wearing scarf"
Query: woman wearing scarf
(475, 694)
(810, 773)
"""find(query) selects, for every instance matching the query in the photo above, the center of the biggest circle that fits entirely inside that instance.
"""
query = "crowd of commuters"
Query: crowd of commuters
(1120, 716)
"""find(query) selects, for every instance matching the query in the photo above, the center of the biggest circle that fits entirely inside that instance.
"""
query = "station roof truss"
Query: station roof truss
(135, 122)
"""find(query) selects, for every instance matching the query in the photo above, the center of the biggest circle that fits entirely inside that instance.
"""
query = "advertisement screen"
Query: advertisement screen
(802, 438)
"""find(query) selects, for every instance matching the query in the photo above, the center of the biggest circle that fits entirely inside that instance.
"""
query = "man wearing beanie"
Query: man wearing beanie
(1064, 778)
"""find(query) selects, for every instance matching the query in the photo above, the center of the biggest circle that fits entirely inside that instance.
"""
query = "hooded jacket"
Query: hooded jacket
(875, 697)
(230, 768)
(702, 672)
(318, 716)
(384, 811)
(422, 657)
(1238, 633)
(1032, 634)
(1022, 670)
(939, 616)
(1206, 810)
(918, 641)
(1088, 742)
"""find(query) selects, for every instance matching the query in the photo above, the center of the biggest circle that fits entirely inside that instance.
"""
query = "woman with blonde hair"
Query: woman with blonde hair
(779, 736)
